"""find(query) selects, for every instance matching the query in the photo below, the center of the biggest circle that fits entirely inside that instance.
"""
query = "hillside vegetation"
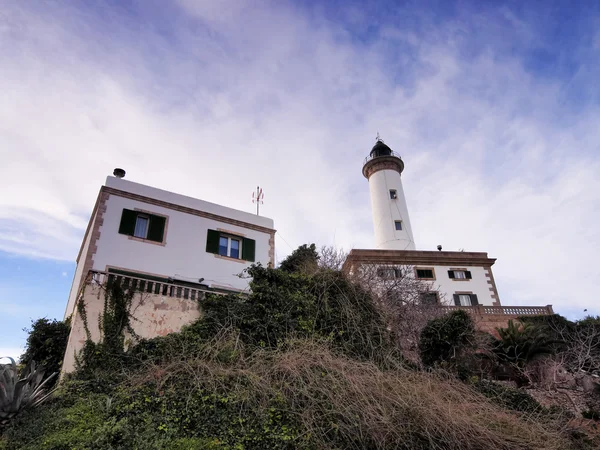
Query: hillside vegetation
(308, 360)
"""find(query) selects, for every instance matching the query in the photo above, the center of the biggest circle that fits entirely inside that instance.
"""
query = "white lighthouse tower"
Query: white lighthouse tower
(390, 214)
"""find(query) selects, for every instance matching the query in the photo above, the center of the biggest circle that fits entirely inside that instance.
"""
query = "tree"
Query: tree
(46, 344)
(304, 259)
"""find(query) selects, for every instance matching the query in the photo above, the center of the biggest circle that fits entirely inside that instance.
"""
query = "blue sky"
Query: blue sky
(494, 107)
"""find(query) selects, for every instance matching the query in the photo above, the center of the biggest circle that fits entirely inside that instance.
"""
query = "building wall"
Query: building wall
(479, 264)
(77, 277)
(386, 210)
(155, 315)
(478, 285)
(184, 253)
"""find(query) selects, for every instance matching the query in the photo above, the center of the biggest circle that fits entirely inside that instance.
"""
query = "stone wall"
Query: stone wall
(153, 315)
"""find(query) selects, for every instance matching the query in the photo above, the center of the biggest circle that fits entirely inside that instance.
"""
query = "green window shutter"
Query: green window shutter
(156, 228)
(451, 273)
(474, 300)
(468, 274)
(128, 219)
(212, 242)
(248, 249)
(456, 300)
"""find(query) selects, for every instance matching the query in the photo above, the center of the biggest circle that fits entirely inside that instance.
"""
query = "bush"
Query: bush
(283, 306)
(444, 340)
(520, 344)
(46, 344)
(508, 397)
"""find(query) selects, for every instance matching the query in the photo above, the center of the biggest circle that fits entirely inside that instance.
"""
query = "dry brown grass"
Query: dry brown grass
(343, 403)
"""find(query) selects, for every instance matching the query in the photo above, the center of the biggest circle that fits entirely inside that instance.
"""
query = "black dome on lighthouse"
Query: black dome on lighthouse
(380, 149)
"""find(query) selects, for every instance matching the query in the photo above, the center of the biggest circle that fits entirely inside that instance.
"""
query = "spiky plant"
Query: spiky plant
(17, 394)
(521, 343)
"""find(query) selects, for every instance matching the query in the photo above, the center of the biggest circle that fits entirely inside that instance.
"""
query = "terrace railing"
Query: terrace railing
(149, 286)
(506, 310)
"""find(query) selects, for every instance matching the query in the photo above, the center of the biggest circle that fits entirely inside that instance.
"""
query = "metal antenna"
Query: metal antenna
(258, 197)
(378, 138)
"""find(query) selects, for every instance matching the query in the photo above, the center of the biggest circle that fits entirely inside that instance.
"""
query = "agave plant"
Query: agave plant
(17, 394)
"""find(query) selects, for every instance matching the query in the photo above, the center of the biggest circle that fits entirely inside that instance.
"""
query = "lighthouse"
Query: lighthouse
(383, 169)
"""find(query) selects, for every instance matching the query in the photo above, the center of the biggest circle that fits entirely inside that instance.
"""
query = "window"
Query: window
(230, 245)
(398, 225)
(460, 275)
(425, 274)
(429, 298)
(393, 194)
(465, 299)
(143, 225)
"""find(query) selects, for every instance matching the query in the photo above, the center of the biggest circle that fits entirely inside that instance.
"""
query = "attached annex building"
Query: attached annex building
(455, 279)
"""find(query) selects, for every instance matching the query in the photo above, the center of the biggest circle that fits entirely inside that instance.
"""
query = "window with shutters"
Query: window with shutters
(459, 274)
(425, 273)
(230, 246)
(143, 225)
(465, 299)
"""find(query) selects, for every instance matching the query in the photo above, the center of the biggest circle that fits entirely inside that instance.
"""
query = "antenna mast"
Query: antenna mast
(258, 197)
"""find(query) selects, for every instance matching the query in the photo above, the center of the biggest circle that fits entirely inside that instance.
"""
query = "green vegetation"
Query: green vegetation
(521, 343)
(444, 340)
(46, 344)
(306, 361)
(18, 393)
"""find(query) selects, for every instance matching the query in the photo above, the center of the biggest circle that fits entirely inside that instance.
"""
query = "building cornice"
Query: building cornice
(417, 257)
(187, 210)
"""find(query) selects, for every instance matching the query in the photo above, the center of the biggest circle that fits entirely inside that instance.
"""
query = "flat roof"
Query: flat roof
(187, 202)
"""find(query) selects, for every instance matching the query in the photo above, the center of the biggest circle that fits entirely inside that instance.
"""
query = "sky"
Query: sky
(493, 106)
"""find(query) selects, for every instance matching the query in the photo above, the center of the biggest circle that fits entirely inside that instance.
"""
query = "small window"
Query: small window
(234, 248)
(223, 246)
(398, 224)
(459, 274)
(393, 194)
(231, 246)
(465, 300)
(143, 225)
(429, 298)
(425, 274)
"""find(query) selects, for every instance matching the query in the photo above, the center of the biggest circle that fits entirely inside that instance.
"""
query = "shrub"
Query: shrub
(282, 306)
(520, 344)
(304, 259)
(46, 344)
(444, 339)
(508, 397)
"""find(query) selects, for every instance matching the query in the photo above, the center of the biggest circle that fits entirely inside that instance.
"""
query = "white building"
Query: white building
(454, 278)
(147, 233)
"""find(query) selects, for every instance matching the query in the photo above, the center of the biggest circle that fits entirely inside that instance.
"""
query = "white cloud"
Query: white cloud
(244, 95)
